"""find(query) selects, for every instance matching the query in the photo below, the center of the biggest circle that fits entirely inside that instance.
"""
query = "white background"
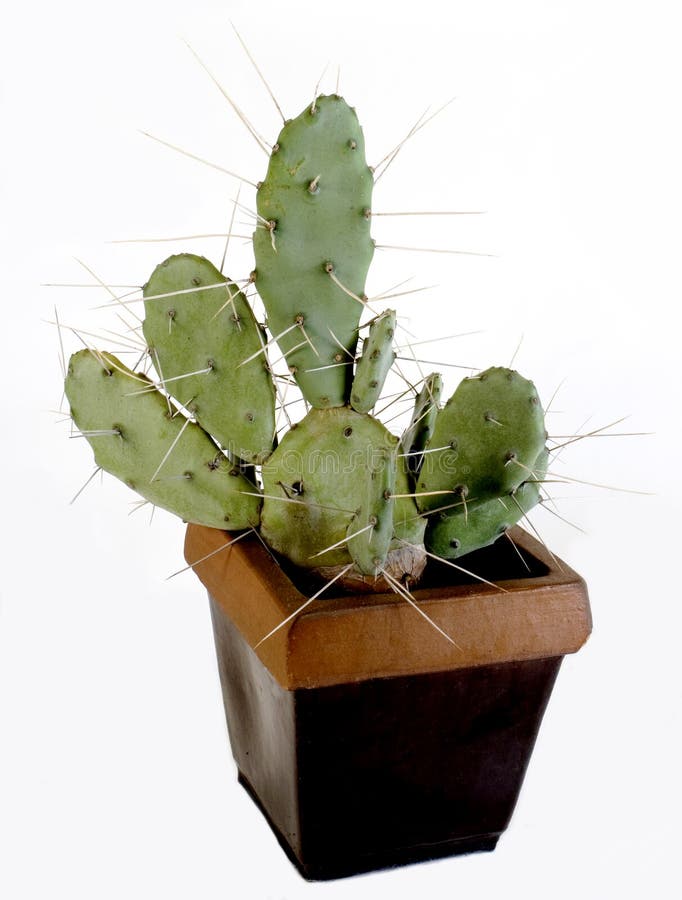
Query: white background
(115, 777)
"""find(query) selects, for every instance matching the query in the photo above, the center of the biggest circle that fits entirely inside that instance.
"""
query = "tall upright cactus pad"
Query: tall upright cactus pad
(197, 321)
(313, 246)
(165, 457)
(486, 441)
(316, 484)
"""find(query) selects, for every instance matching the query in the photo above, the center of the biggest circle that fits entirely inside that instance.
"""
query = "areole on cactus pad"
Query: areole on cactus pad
(338, 491)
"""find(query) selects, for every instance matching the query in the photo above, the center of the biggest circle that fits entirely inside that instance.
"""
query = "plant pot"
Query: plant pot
(367, 739)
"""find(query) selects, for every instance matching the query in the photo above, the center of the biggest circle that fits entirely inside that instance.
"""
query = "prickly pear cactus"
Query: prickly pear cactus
(313, 247)
(338, 492)
(329, 494)
(418, 433)
(480, 523)
(197, 321)
(139, 436)
(373, 366)
(486, 440)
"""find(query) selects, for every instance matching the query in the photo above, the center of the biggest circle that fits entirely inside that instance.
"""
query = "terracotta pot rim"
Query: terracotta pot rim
(352, 637)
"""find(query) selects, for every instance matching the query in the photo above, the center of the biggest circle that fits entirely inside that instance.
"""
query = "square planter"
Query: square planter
(368, 740)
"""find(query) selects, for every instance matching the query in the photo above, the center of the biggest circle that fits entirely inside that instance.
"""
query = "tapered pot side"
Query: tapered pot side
(365, 737)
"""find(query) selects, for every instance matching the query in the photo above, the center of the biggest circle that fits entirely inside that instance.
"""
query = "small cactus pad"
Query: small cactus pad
(316, 481)
(408, 525)
(313, 246)
(211, 331)
(419, 431)
(492, 431)
(370, 533)
(374, 364)
(450, 535)
(129, 426)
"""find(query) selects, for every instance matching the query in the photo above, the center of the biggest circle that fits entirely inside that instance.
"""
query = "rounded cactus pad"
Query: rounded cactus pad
(324, 482)
(313, 246)
(200, 330)
(165, 457)
(485, 441)
(456, 533)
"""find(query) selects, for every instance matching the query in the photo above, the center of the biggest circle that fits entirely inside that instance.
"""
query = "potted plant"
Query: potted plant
(382, 698)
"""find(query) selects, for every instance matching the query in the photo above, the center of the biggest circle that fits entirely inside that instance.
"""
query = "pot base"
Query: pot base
(386, 771)
(400, 856)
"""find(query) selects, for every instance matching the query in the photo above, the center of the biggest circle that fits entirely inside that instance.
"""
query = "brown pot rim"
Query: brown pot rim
(352, 637)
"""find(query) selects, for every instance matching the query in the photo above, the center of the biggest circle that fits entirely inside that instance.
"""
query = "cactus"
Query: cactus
(461, 531)
(370, 532)
(339, 490)
(418, 432)
(214, 333)
(377, 357)
(313, 247)
(132, 427)
(487, 438)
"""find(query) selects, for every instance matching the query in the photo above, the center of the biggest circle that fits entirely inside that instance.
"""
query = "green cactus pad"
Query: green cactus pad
(316, 481)
(371, 531)
(408, 524)
(454, 534)
(492, 431)
(314, 234)
(131, 433)
(211, 329)
(422, 423)
(374, 364)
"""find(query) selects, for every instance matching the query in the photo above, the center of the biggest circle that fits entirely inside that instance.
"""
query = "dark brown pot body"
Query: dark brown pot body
(365, 737)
